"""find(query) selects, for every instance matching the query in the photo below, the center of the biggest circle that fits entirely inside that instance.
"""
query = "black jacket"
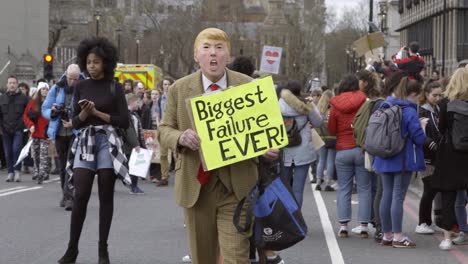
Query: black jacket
(12, 107)
(432, 131)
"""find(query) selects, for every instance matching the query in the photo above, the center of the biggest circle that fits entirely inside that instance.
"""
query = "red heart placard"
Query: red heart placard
(271, 55)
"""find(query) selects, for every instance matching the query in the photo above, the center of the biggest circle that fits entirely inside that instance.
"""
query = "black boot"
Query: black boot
(103, 253)
(70, 256)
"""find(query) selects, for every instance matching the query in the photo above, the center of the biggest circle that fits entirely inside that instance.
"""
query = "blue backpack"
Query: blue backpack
(278, 221)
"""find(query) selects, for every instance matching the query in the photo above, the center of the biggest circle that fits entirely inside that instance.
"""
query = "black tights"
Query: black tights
(83, 183)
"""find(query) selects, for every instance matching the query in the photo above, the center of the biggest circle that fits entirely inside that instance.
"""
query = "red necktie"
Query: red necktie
(204, 176)
(214, 87)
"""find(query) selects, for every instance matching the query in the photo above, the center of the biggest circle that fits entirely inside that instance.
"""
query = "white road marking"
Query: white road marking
(20, 190)
(332, 243)
(52, 180)
(12, 189)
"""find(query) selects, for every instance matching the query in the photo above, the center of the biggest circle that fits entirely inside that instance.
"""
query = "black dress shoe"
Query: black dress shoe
(69, 257)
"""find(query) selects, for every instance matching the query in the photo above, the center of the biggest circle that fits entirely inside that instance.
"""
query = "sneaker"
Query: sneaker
(10, 177)
(34, 177)
(17, 176)
(446, 244)
(403, 243)
(318, 187)
(328, 188)
(68, 204)
(276, 260)
(162, 182)
(424, 229)
(460, 239)
(187, 259)
(358, 229)
(343, 231)
(386, 242)
(137, 190)
(364, 232)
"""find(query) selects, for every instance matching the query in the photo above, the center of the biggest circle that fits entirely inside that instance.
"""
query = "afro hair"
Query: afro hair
(102, 48)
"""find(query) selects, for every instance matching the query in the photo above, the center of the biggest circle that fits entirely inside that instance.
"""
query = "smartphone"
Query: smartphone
(82, 101)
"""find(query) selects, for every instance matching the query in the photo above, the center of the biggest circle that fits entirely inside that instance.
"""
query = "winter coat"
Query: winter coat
(290, 106)
(146, 118)
(413, 153)
(432, 131)
(58, 98)
(344, 108)
(12, 107)
(451, 167)
(40, 124)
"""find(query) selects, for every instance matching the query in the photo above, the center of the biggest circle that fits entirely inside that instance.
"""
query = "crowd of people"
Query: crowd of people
(95, 122)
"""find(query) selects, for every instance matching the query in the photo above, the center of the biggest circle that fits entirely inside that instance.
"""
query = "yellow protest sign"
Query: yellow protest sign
(239, 123)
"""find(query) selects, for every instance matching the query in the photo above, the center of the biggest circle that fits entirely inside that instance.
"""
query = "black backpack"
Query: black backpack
(293, 130)
(459, 129)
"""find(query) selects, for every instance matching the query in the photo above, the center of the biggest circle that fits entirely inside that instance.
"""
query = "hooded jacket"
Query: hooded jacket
(56, 95)
(12, 107)
(304, 113)
(410, 126)
(344, 108)
(40, 124)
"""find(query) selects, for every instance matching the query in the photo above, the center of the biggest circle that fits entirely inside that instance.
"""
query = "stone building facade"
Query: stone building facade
(422, 21)
(24, 29)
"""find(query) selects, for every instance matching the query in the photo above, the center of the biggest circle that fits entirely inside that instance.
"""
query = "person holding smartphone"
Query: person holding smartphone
(100, 109)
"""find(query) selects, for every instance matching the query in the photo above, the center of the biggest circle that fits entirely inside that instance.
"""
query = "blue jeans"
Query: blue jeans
(12, 144)
(298, 174)
(395, 186)
(349, 164)
(460, 210)
(326, 160)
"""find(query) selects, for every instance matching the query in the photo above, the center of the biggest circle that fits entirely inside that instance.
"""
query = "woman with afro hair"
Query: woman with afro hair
(99, 110)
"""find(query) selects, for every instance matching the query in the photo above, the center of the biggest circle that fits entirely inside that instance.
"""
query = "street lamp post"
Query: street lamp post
(97, 16)
(137, 49)
(371, 14)
(118, 30)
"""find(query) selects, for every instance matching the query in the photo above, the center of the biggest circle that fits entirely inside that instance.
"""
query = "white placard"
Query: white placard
(271, 59)
(139, 163)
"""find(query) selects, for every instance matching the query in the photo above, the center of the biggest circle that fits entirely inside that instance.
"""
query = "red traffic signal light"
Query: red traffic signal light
(48, 58)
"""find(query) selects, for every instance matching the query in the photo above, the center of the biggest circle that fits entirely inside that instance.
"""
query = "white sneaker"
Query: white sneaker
(17, 176)
(424, 229)
(460, 239)
(446, 244)
(10, 177)
(358, 229)
(187, 259)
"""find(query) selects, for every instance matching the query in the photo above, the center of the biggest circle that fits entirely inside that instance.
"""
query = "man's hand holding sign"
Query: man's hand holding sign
(237, 124)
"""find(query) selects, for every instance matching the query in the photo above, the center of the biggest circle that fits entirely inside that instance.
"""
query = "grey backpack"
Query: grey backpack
(383, 132)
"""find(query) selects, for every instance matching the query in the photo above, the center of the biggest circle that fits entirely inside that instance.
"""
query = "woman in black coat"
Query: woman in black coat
(451, 172)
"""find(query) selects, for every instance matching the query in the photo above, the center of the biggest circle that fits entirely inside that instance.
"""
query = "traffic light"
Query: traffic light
(48, 66)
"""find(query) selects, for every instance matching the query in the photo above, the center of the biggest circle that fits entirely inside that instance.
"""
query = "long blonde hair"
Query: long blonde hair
(324, 102)
(458, 85)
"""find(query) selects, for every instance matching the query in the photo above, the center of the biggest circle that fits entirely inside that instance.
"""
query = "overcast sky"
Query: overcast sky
(340, 5)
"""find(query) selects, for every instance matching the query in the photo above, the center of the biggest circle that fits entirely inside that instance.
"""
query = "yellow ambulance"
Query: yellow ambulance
(148, 74)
